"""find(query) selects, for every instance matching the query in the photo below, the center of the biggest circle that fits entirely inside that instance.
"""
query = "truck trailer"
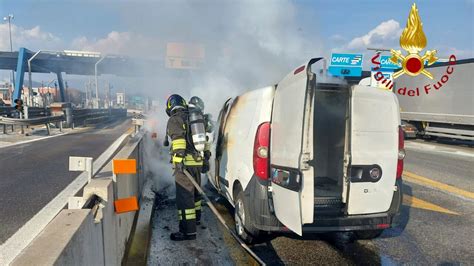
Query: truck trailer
(443, 106)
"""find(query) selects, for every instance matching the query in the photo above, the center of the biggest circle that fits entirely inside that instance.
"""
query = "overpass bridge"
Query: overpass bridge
(72, 62)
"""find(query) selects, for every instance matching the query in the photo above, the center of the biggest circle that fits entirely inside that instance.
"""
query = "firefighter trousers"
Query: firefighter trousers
(188, 200)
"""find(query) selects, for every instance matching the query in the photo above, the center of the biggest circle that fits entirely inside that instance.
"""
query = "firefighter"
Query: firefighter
(184, 156)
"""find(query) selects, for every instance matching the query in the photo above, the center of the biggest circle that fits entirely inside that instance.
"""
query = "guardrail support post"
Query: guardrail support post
(25, 112)
(22, 131)
(97, 81)
(138, 123)
(47, 128)
(83, 164)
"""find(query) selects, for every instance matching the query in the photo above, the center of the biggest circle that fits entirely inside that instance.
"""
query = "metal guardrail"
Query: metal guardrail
(32, 111)
(31, 121)
(36, 114)
(5, 111)
(37, 117)
(8, 111)
(91, 116)
(81, 113)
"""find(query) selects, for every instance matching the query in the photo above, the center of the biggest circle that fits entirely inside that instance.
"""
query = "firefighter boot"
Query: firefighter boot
(178, 236)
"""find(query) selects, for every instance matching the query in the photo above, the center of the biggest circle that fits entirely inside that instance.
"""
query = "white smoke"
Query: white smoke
(156, 158)
(248, 45)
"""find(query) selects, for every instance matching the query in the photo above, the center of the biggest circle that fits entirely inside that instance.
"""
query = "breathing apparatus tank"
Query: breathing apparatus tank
(198, 131)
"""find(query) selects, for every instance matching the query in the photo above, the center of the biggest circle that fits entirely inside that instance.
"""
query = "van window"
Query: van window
(221, 120)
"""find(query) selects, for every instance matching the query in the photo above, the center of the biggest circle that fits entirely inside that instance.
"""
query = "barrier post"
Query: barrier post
(83, 164)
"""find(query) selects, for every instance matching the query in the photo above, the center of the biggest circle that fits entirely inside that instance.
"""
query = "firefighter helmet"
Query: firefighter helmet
(174, 102)
(197, 102)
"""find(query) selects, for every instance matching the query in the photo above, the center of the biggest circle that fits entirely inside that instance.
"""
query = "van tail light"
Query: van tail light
(298, 70)
(383, 226)
(261, 151)
(401, 152)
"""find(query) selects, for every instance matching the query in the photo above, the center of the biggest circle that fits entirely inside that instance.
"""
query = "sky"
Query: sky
(62, 23)
(243, 37)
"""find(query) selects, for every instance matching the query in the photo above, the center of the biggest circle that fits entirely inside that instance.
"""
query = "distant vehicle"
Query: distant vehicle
(310, 157)
(409, 130)
(446, 112)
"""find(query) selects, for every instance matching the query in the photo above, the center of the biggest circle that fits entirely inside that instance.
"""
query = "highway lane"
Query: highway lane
(436, 223)
(32, 174)
(441, 162)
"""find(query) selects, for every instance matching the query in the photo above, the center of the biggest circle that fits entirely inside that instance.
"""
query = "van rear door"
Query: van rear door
(291, 148)
(374, 148)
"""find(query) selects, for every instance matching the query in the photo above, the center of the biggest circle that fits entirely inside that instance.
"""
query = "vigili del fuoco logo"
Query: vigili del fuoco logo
(413, 41)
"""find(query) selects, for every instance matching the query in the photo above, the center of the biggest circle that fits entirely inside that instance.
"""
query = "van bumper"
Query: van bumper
(259, 199)
(263, 218)
(374, 221)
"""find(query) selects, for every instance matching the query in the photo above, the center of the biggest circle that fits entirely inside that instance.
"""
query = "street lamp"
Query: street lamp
(49, 83)
(55, 87)
(9, 19)
(47, 96)
(96, 80)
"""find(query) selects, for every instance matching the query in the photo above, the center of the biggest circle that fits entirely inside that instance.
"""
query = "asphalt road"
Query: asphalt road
(163, 251)
(32, 174)
(436, 223)
(436, 227)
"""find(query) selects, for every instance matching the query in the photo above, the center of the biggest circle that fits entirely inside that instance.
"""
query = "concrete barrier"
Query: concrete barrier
(96, 236)
(72, 238)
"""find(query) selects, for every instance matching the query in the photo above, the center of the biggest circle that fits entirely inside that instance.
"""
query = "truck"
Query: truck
(446, 111)
(309, 155)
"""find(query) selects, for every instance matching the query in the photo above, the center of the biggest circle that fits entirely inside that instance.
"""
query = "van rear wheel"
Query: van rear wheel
(243, 226)
(368, 234)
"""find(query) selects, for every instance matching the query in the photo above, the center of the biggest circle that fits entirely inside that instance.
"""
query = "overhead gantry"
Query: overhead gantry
(70, 62)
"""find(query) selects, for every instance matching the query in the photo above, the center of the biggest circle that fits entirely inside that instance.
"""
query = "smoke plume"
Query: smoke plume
(248, 45)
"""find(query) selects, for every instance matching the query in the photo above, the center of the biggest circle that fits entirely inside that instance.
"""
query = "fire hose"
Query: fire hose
(221, 219)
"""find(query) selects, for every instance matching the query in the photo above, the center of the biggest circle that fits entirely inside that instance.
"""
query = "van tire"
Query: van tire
(368, 234)
(243, 226)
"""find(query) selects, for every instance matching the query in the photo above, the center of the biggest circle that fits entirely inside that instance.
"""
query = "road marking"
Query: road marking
(31, 140)
(22, 238)
(425, 147)
(420, 180)
(421, 204)
(43, 138)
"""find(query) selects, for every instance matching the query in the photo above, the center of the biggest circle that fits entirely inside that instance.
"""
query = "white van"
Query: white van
(309, 157)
